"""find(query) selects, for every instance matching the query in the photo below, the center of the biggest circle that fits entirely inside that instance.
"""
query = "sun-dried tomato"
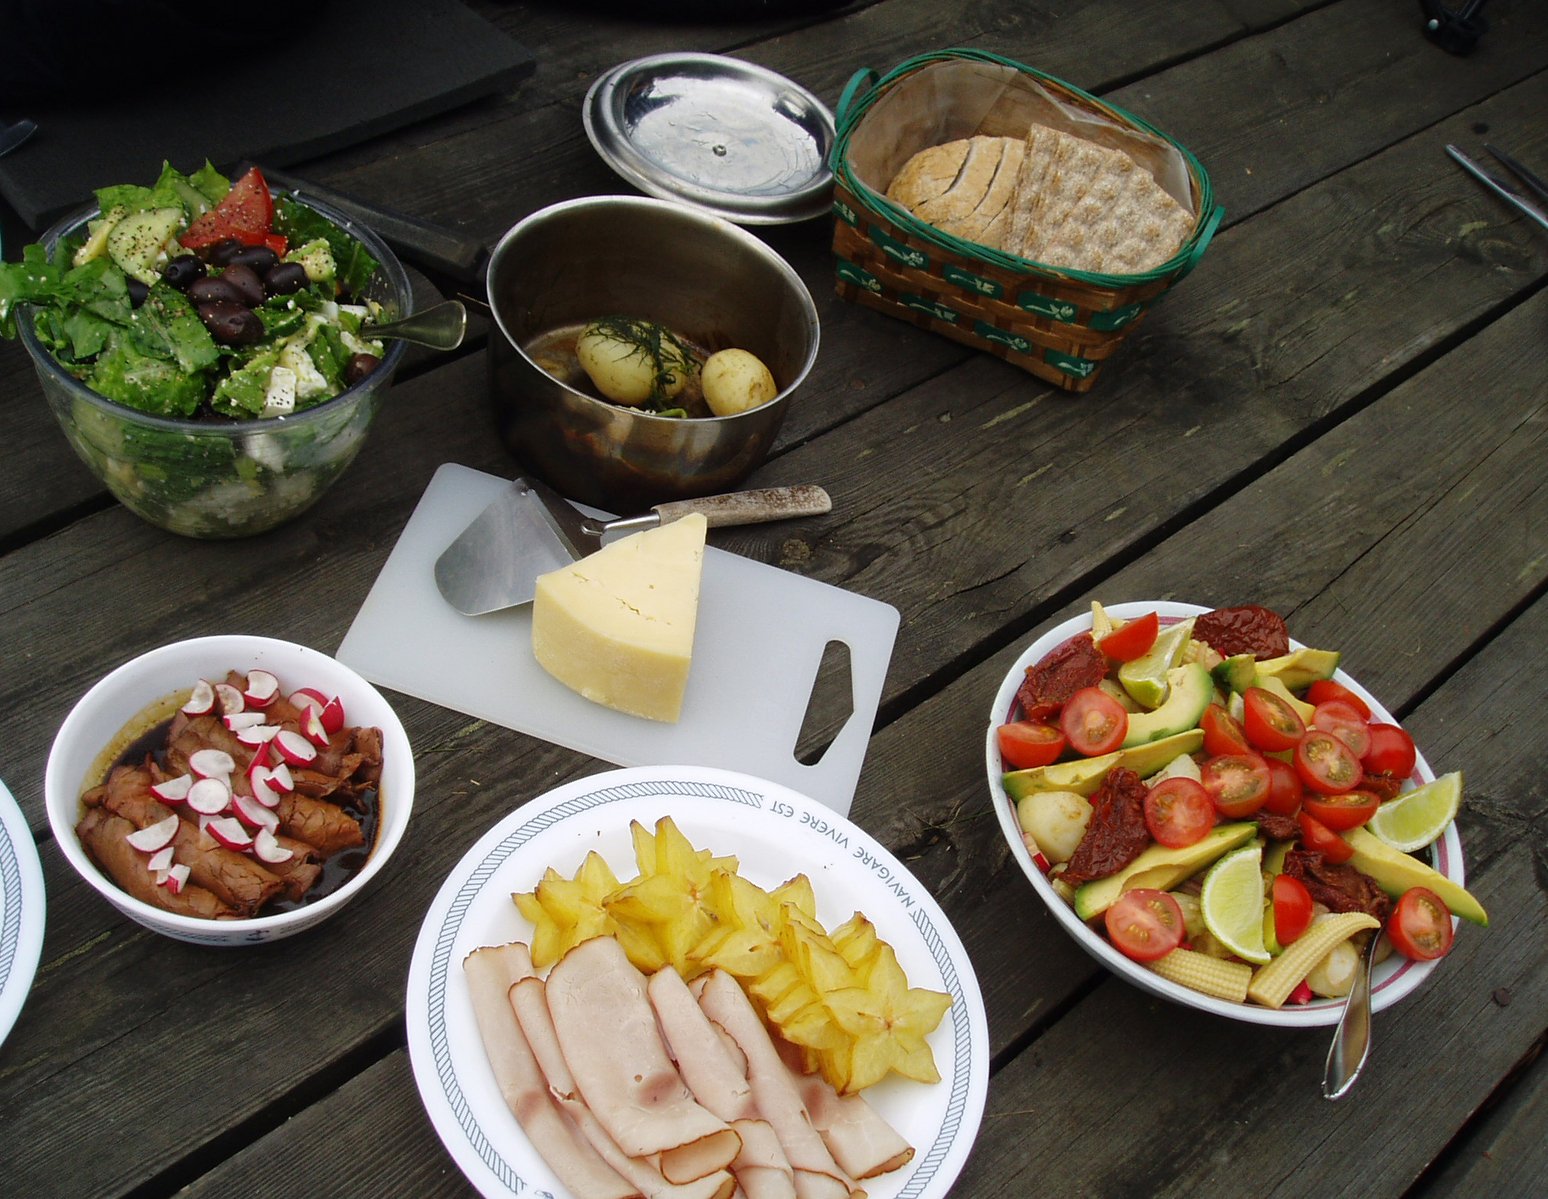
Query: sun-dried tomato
(1116, 833)
(1338, 887)
(1246, 629)
(1063, 671)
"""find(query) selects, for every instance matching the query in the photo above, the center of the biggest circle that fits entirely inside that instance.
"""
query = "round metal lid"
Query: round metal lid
(735, 139)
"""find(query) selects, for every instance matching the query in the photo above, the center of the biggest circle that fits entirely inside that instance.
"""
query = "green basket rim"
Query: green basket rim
(1206, 219)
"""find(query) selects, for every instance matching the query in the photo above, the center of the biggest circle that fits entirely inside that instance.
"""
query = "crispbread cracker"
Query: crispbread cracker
(1042, 145)
(1134, 231)
(1081, 168)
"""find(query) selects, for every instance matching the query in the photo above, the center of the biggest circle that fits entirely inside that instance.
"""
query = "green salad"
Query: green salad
(198, 298)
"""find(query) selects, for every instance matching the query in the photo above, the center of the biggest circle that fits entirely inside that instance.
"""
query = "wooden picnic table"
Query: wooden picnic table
(1341, 415)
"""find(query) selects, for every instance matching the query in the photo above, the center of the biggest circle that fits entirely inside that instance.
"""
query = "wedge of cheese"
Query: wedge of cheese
(617, 626)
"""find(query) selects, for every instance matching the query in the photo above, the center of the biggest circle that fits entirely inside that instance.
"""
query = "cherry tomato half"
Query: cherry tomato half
(1223, 733)
(1325, 689)
(1420, 926)
(246, 214)
(1094, 722)
(1319, 838)
(1270, 723)
(1179, 812)
(1326, 764)
(1133, 640)
(1292, 908)
(1285, 789)
(1238, 784)
(1391, 751)
(1342, 812)
(1028, 743)
(1145, 924)
(1344, 722)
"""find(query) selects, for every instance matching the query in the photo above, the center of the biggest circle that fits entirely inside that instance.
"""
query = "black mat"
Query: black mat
(358, 69)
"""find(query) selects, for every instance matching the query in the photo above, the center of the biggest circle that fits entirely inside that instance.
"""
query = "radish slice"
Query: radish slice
(262, 758)
(231, 700)
(281, 779)
(266, 848)
(295, 748)
(333, 715)
(173, 790)
(154, 836)
(312, 726)
(202, 700)
(308, 697)
(229, 832)
(264, 790)
(262, 688)
(177, 878)
(252, 812)
(210, 797)
(238, 721)
(258, 734)
(161, 860)
(212, 763)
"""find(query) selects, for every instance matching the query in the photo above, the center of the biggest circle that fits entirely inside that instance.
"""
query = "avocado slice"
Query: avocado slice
(1164, 868)
(1085, 775)
(1299, 668)
(1236, 673)
(1275, 687)
(1395, 872)
(1189, 692)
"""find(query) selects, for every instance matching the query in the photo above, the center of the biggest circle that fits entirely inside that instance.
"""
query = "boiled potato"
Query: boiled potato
(1056, 820)
(735, 381)
(633, 361)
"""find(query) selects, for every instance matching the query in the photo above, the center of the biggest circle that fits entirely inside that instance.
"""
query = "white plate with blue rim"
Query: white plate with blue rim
(776, 833)
(21, 911)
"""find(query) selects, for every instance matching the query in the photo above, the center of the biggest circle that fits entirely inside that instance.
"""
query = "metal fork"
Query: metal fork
(1502, 189)
(12, 136)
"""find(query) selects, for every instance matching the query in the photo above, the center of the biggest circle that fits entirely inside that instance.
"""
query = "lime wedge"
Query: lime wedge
(1145, 678)
(1232, 903)
(1416, 818)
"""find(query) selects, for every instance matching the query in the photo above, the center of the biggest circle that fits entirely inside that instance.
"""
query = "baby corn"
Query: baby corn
(1272, 984)
(1210, 976)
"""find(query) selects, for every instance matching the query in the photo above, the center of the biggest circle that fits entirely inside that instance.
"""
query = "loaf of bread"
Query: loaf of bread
(1052, 197)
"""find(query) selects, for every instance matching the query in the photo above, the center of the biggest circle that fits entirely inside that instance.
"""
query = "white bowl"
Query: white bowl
(1391, 980)
(111, 705)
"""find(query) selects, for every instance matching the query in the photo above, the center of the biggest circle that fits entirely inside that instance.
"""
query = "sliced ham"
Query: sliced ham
(817, 1174)
(626, 1077)
(863, 1143)
(529, 1002)
(491, 972)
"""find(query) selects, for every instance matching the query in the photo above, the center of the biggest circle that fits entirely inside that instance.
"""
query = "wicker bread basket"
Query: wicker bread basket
(1060, 324)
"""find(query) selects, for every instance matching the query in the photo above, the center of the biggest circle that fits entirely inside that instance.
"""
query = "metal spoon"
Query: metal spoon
(1352, 1039)
(441, 326)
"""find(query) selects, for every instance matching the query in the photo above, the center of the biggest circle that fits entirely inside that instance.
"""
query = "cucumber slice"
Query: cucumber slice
(95, 245)
(135, 243)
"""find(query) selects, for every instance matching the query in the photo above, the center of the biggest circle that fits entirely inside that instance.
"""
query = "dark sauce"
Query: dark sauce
(336, 870)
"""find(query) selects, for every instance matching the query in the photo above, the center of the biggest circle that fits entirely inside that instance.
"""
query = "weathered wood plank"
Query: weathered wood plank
(1507, 1153)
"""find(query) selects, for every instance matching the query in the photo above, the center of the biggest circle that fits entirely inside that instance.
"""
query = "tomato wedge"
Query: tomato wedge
(1420, 926)
(1178, 812)
(1223, 733)
(1028, 743)
(1238, 784)
(1319, 837)
(1094, 722)
(1285, 789)
(1270, 723)
(1344, 722)
(246, 214)
(1325, 689)
(1391, 751)
(1326, 764)
(1342, 812)
(1145, 924)
(1292, 908)
(1133, 640)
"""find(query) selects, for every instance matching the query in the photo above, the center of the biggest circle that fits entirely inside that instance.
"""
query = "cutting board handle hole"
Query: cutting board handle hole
(833, 693)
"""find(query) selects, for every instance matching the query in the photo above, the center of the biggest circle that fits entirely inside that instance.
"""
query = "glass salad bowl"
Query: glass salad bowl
(221, 478)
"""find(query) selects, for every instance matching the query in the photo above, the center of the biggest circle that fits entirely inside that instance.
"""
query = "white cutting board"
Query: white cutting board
(758, 647)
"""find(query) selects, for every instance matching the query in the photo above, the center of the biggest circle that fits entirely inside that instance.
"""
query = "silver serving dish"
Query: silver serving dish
(737, 140)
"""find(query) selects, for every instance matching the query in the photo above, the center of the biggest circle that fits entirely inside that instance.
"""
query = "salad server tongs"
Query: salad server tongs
(1502, 189)
(1352, 1039)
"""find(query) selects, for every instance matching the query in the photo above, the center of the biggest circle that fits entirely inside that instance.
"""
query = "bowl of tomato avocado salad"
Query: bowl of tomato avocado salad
(202, 344)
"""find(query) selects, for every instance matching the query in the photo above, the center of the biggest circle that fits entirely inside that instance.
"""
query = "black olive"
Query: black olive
(359, 367)
(222, 251)
(213, 290)
(137, 291)
(284, 279)
(231, 323)
(183, 271)
(260, 258)
(245, 282)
